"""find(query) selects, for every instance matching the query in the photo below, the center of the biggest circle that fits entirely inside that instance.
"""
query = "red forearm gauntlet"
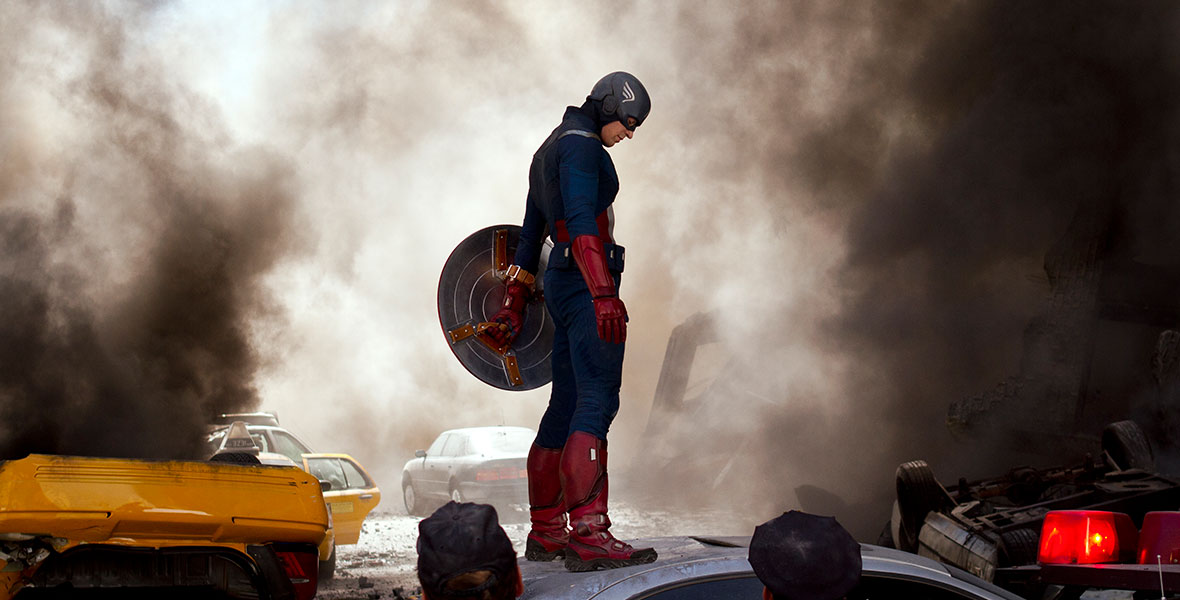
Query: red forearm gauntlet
(608, 308)
(591, 259)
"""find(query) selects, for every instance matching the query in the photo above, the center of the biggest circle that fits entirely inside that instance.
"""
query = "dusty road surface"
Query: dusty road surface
(381, 565)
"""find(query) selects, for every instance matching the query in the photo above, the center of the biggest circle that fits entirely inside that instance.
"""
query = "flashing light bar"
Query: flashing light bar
(1159, 542)
(1087, 537)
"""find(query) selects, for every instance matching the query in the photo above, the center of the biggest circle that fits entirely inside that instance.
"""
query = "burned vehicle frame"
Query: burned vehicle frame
(990, 525)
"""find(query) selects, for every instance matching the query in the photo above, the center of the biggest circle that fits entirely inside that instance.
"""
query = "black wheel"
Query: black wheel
(328, 567)
(411, 498)
(456, 495)
(918, 493)
(1020, 547)
(1127, 446)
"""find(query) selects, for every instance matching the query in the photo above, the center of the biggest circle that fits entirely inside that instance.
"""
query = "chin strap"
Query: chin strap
(590, 256)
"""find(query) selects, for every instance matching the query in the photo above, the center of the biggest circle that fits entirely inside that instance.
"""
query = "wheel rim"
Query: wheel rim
(456, 496)
(408, 496)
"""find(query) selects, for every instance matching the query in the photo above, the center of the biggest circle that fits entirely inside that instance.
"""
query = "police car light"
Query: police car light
(1087, 537)
(1160, 537)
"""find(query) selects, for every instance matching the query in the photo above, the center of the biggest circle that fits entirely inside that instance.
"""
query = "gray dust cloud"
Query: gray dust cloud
(211, 206)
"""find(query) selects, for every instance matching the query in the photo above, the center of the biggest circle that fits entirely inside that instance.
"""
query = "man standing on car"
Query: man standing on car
(572, 184)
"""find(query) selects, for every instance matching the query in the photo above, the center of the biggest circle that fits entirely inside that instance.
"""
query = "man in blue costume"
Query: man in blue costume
(572, 184)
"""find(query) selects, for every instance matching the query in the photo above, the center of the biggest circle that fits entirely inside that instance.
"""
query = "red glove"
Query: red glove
(511, 316)
(608, 308)
(612, 319)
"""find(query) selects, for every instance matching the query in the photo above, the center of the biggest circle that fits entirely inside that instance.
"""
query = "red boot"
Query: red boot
(583, 478)
(549, 535)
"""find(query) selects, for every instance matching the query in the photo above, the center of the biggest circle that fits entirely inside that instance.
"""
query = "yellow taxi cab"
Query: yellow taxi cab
(352, 495)
(159, 528)
(239, 445)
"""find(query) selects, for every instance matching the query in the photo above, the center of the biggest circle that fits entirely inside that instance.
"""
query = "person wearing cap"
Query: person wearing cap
(800, 556)
(572, 187)
(464, 553)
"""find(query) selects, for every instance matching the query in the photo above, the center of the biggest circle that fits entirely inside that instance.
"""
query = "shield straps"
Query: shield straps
(479, 330)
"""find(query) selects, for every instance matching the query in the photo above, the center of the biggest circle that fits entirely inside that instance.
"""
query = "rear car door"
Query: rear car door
(452, 452)
(353, 494)
(434, 469)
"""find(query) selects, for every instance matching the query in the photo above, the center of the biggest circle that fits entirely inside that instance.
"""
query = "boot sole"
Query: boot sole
(542, 556)
(535, 552)
(574, 563)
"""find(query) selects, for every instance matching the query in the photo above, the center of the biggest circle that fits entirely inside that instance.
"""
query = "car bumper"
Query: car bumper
(515, 491)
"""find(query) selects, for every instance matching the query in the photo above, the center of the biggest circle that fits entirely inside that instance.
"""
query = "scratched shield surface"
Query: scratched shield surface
(471, 290)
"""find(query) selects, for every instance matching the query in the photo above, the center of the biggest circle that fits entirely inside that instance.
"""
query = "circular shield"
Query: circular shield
(471, 290)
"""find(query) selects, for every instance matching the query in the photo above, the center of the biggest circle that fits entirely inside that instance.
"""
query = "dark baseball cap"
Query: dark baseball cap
(801, 556)
(461, 538)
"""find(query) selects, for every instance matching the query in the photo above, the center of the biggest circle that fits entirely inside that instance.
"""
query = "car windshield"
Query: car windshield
(503, 440)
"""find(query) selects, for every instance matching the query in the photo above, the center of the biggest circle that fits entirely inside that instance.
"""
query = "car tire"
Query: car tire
(411, 498)
(456, 494)
(1020, 547)
(918, 493)
(328, 567)
(1127, 446)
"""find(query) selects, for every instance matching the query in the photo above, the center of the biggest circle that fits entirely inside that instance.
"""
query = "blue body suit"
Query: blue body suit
(572, 184)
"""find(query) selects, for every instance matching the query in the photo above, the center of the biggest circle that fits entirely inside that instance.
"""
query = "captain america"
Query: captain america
(572, 186)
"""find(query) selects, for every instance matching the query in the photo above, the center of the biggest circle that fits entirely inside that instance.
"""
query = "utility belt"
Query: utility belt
(562, 257)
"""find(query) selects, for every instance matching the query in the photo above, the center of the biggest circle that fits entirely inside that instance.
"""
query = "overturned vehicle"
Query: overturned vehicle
(986, 527)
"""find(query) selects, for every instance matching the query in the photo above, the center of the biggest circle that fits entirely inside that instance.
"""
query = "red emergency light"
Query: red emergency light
(1160, 538)
(1087, 537)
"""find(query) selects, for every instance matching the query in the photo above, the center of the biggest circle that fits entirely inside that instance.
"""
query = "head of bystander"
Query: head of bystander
(801, 556)
(464, 553)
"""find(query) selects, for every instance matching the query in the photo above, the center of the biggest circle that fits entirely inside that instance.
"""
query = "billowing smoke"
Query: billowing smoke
(1054, 153)
(134, 236)
(864, 195)
(960, 151)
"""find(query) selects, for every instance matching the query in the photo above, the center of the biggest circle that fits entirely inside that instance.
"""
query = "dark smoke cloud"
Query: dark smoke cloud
(1038, 116)
(134, 237)
(1046, 115)
(952, 145)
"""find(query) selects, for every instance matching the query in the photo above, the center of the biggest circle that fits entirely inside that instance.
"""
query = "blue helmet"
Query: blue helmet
(621, 97)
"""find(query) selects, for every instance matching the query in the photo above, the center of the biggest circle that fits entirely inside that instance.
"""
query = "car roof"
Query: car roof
(255, 428)
(276, 459)
(259, 417)
(489, 429)
(328, 455)
(258, 429)
(693, 557)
